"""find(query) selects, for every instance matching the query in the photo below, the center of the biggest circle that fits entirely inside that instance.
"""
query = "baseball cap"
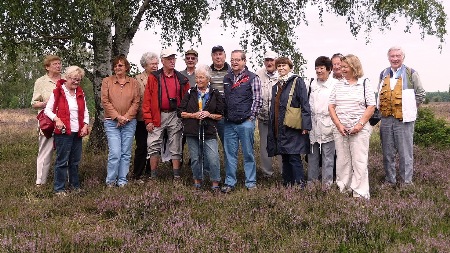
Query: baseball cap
(191, 51)
(217, 48)
(168, 52)
(270, 55)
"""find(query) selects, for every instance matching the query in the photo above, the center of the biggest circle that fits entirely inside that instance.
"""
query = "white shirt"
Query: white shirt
(73, 109)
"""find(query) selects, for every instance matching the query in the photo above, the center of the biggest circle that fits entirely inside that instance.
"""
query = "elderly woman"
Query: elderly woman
(67, 108)
(284, 140)
(336, 61)
(120, 99)
(43, 88)
(321, 135)
(350, 115)
(200, 110)
(149, 61)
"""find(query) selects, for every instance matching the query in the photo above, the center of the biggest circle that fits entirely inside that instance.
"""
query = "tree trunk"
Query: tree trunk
(102, 47)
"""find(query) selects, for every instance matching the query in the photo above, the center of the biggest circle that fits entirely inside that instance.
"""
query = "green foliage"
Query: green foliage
(90, 33)
(439, 96)
(431, 131)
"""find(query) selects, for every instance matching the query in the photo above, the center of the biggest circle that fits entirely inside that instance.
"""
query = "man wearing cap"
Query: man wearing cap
(163, 93)
(269, 77)
(219, 69)
(191, 59)
(242, 90)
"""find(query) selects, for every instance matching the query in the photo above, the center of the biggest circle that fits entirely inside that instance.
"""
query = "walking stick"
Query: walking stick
(201, 133)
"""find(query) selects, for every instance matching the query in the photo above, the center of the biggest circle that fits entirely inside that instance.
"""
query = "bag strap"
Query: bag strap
(310, 83)
(364, 85)
(291, 92)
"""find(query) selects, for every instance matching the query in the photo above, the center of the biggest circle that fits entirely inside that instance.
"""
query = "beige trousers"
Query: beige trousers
(351, 165)
(44, 159)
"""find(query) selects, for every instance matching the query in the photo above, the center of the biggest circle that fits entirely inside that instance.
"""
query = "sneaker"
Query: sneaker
(140, 181)
(122, 185)
(110, 185)
(252, 188)
(61, 194)
(227, 189)
(77, 191)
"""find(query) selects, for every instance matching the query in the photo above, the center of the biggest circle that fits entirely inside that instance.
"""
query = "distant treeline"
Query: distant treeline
(437, 96)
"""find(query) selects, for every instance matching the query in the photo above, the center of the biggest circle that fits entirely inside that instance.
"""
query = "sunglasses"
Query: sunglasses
(190, 58)
(120, 65)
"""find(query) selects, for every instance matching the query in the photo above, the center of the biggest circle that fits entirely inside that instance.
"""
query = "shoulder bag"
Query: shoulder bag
(293, 116)
(376, 116)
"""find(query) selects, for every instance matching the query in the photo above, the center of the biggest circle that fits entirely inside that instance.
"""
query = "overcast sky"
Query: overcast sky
(331, 37)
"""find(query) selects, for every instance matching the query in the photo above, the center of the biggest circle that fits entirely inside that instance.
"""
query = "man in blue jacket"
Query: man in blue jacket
(242, 90)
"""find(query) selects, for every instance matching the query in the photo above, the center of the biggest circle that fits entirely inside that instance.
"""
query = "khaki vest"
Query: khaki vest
(391, 100)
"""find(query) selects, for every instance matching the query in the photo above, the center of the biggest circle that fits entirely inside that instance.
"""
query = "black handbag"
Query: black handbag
(376, 116)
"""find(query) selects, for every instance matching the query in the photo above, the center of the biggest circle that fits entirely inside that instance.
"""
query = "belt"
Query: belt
(167, 111)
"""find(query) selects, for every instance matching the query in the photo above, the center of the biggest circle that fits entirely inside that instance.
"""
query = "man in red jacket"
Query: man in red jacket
(163, 93)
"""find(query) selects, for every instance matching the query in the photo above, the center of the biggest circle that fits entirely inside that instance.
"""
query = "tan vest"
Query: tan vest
(391, 100)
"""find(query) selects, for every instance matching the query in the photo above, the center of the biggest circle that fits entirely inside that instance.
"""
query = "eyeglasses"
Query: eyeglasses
(75, 80)
(235, 60)
(190, 58)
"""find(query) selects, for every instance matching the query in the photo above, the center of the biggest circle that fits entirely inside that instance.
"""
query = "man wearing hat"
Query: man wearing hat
(163, 93)
(269, 77)
(191, 59)
(219, 69)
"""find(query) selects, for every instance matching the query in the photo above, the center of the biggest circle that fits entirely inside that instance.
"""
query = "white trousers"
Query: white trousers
(351, 165)
(44, 159)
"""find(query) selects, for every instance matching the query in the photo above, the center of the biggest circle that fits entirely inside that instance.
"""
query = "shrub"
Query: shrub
(430, 130)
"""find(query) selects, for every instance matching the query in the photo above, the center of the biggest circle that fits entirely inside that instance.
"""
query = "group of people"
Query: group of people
(326, 120)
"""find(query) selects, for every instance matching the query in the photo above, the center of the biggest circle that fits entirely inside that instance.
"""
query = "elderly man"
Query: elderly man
(43, 88)
(400, 94)
(163, 93)
(219, 69)
(269, 77)
(191, 59)
(242, 90)
(149, 61)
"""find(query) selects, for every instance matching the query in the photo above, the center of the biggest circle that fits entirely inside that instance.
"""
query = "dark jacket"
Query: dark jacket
(214, 105)
(238, 97)
(289, 140)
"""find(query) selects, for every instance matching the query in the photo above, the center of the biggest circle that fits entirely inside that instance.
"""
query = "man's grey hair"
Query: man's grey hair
(203, 69)
(243, 56)
(146, 57)
(396, 48)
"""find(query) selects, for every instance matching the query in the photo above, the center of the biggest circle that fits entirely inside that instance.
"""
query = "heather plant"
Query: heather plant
(430, 130)
(160, 216)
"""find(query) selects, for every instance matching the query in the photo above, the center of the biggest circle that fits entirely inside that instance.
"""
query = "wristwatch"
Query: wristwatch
(362, 124)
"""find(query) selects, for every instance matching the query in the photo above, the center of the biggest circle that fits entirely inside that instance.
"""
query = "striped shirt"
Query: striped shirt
(217, 76)
(350, 101)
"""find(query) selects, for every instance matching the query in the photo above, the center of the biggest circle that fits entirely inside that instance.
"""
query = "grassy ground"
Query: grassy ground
(162, 217)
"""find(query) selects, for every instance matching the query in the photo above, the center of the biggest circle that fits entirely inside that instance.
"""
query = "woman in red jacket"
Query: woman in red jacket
(67, 108)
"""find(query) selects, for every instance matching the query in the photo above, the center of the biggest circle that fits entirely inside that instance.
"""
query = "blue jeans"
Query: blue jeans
(120, 140)
(233, 135)
(210, 158)
(292, 170)
(68, 156)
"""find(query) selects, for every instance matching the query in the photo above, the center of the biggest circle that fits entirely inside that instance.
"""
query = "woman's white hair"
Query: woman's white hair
(146, 57)
(74, 70)
(203, 69)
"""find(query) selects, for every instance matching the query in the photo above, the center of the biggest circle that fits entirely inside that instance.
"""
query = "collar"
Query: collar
(116, 80)
(225, 67)
(286, 77)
